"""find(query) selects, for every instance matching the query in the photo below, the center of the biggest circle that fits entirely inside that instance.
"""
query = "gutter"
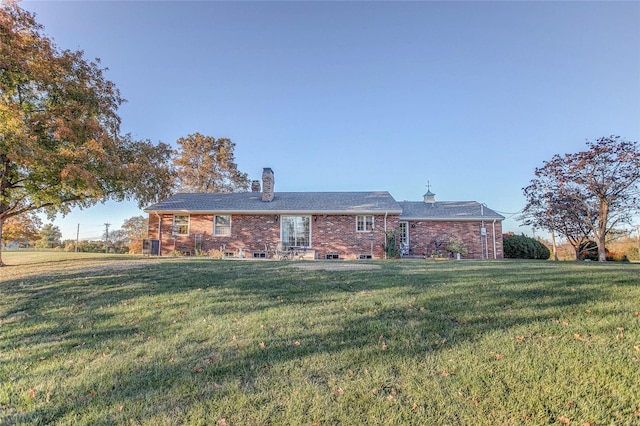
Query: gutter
(495, 255)
(159, 233)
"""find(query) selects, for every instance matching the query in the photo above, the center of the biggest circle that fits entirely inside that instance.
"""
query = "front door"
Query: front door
(404, 238)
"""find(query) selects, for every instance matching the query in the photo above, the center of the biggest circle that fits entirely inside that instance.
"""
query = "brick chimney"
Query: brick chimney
(255, 186)
(268, 183)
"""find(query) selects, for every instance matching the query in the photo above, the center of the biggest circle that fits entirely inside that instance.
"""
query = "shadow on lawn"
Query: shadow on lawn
(425, 308)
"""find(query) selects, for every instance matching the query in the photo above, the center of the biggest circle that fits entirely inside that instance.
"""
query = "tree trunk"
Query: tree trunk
(602, 230)
(577, 249)
(1, 245)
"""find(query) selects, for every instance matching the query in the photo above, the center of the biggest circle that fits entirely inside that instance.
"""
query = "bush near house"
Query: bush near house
(523, 247)
(589, 251)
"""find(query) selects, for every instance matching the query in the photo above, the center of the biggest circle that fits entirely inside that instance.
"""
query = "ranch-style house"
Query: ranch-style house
(319, 225)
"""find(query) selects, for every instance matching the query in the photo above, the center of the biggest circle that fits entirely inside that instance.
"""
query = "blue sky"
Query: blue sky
(350, 96)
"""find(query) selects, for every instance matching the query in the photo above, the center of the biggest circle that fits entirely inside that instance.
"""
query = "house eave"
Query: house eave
(450, 219)
(278, 212)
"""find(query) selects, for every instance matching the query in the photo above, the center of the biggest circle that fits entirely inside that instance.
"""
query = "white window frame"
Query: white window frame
(361, 223)
(221, 230)
(178, 227)
(404, 232)
(283, 219)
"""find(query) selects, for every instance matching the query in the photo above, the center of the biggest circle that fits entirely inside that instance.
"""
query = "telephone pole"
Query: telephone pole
(638, 235)
(106, 237)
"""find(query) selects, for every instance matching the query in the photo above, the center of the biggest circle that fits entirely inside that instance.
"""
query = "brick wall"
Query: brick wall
(329, 234)
(428, 237)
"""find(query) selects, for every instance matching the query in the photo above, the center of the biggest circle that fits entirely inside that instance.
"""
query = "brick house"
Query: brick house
(321, 225)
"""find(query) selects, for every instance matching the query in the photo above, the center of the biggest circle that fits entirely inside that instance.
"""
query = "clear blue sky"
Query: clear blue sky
(346, 96)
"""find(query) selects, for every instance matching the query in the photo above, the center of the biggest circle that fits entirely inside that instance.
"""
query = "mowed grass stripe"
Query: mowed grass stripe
(96, 339)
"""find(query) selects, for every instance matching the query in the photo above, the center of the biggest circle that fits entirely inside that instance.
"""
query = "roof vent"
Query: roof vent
(255, 186)
(429, 197)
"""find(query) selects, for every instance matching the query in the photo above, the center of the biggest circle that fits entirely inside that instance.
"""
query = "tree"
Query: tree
(50, 236)
(117, 241)
(135, 230)
(549, 207)
(206, 164)
(593, 190)
(60, 146)
(24, 227)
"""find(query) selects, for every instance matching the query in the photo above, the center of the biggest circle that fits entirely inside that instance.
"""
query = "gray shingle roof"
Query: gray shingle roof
(447, 210)
(283, 202)
(323, 203)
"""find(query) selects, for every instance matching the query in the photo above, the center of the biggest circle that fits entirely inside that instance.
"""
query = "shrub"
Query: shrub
(391, 245)
(215, 254)
(616, 257)
(632, 253)
(456, 245)
(589, 251)
(523, 247)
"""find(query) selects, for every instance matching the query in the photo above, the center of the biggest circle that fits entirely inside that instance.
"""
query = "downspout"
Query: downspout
(385, 235)
(495, 256)
(159, 234)
(483, 241)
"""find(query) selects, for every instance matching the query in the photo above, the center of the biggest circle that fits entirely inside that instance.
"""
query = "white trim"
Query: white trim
(448, 219)
(309, 217)
(173, 224)
(280, 212)
(406, 228)
(373, 222)
(224, 227)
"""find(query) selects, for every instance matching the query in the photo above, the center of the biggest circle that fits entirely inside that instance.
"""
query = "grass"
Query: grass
(97, 339)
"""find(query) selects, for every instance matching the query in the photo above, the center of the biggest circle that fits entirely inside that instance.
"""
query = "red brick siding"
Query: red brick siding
(426, 237)
(329, 234)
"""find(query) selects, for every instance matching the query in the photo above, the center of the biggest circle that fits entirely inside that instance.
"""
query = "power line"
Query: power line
(106, 237)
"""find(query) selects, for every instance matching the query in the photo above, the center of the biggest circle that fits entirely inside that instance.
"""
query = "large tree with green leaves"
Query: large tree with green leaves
(206, 164)
(60, 145)
(590, 192)
(135, 230)
(50, 236)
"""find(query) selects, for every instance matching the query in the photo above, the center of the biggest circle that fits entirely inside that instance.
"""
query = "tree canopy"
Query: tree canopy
(206, 164)
(50, 236)
(588, 193)
(23, 229)
(60, 145)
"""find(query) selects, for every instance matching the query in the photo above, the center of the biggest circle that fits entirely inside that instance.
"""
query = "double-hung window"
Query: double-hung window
(181, 224)
(222, 225)
(364, 223)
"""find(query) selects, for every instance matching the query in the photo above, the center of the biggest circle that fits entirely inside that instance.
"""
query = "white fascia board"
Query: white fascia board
(279, 212)
(450, 219)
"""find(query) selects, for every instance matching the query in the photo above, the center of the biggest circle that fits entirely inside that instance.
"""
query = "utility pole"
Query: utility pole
(77, 237)
(106, 237)
(638, 235)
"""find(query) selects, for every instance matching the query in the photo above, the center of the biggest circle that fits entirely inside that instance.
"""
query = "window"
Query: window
(181, 224)
(364, 223)
(404, 233)
(296, 230)
(222, 225)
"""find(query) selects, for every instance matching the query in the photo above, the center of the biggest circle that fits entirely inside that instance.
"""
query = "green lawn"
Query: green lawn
(97, 339)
